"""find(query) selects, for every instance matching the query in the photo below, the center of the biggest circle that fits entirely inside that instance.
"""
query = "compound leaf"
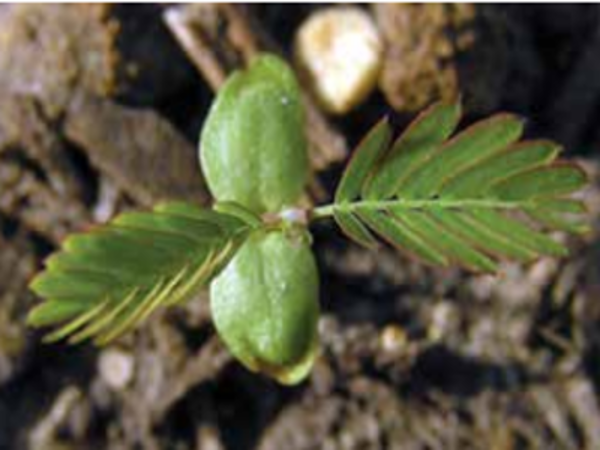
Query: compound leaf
(464, 199)
(104, 282)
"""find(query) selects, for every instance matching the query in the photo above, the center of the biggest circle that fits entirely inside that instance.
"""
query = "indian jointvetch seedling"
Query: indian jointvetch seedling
(472, 200)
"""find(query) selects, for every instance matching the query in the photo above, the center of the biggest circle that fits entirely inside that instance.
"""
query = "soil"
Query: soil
(100, 113)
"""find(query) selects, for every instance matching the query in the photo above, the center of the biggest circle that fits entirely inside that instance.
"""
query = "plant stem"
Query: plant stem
(325, 211)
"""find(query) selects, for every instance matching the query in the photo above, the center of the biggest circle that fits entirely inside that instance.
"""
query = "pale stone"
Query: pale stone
(116, 368)
(339, 51)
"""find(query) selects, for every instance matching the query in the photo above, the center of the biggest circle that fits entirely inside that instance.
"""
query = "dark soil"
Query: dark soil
(100, 113)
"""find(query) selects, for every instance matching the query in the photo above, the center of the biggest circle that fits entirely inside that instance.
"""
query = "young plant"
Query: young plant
(471, 200)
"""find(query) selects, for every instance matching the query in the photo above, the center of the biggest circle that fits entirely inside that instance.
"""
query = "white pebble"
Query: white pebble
(116, 368)
(339, 50)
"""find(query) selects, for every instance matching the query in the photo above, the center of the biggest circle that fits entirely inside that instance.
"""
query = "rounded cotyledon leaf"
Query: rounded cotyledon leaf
(265, 305)
(253, 146)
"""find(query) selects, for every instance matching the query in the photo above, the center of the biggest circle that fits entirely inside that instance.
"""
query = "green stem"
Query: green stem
(325, 211)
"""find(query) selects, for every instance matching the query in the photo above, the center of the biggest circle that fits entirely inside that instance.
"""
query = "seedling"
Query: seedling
(470, 200)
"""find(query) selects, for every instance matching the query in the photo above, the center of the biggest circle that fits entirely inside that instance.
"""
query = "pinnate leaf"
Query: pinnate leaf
(472, 199)
(104, 282)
